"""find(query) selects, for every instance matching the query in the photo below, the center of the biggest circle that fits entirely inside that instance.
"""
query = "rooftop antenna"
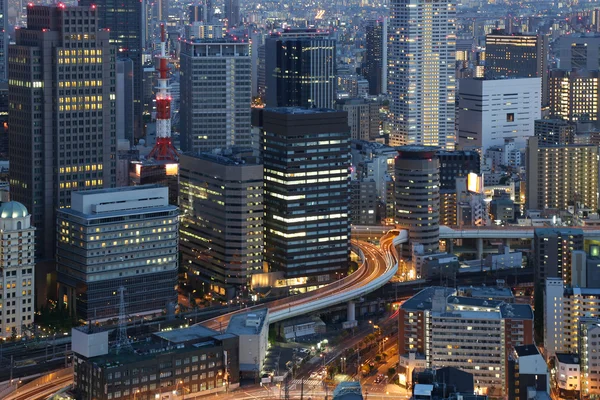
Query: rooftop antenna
(122, 339)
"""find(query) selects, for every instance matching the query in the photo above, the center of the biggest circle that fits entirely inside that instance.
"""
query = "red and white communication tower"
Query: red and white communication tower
(163, 149)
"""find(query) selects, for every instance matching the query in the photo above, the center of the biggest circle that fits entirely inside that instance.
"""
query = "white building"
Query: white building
(421, 76)
(17, 269)
(252, 328)
(490, 111)
(111, 238)
(563, 308)
(505, 259)
(568, 373)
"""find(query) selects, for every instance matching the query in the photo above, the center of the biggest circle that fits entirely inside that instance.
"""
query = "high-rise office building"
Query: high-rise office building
(375, 58)
(216, 93)
(306, 156)
(16, 269)
(221, 201)
(573, 95)
(232, 12)
(421, 76)
(417, 196)
(62, 135)
(126, 21)
(559, 176)
(554, 131)
(112, 238)
(579, 51)
(300, 69)
(552, 252)
(517, 55)
(492, 110)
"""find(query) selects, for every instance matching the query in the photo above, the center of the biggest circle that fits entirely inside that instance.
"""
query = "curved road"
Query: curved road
(379, 265)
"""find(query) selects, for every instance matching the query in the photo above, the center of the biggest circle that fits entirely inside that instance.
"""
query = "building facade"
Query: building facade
(175, 364)
(363, 117)
(492, 110)
(221, 201)
(517, 55)
(565, 307)
(375, 59)
(553, 251)
(306, 156)
(17, 265)
(417, 196)
(579, 51)
(554, 131)
(561, 176)
(62, 134)
(300, 69)
(471, 334)
(112, 238)
(216, 93)
(421, 77)
(125, 22)
(363, 202)
(573, 95)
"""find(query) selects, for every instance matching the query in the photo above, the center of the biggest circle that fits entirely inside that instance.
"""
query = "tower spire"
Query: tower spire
(163, 149)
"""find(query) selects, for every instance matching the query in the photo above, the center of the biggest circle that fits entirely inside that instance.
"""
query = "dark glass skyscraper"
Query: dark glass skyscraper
(517, 56)
(232, 12)
(125, 20)
(300, 69)
(306, 157)
(375, 63)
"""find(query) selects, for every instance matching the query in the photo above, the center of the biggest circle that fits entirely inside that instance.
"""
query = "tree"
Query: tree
(391, 372)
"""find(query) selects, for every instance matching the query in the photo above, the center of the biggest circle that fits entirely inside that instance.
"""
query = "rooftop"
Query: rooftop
(489, 292)
(527, 350)
(183, 335)
(119, 189)
(567, 358)
(300, 110)
(238, 323)
(13, 209)
(422, 300)
(232, 156)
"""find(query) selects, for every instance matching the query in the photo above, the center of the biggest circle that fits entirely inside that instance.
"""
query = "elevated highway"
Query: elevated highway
(379, 264)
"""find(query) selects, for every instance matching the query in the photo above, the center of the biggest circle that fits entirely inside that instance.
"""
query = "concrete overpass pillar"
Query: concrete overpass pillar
(479, 246)
(351, 315)
(450, 246)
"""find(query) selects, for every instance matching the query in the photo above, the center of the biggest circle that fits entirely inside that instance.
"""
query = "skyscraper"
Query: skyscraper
(221, 240)
(579, 51)
(306, 156)
(126, 21)
(63, 132)
(300, 69)
(232, 12)
(375, 61)
(421, 72)
(517, 56)
(417, 196)
(118, 237)
(554, 131)
(216, 93)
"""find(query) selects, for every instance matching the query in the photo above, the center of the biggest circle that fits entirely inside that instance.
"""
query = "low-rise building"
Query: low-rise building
(527, 373)
(252, 330)
(168, 365)
(568, 374)
(505, 259)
